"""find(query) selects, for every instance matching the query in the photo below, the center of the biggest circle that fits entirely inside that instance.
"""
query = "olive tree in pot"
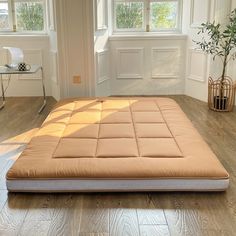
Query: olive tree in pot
(220, 42)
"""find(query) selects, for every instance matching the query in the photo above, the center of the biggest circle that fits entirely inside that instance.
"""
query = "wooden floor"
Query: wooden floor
(121, 214)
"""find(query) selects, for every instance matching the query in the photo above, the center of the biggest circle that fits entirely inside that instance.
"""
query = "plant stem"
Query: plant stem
(223, 76)
(224, 68)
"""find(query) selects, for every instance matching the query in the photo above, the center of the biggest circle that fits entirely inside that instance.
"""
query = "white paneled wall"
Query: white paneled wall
(132, 65)
(74, 49)
(147, 65)
(166, 63)
(54, 66)
(129, 63)
(200, 12)
(54, 61)
(102, 65)
(199, 65)
(79, 43)
(36, 51)
(102, 48)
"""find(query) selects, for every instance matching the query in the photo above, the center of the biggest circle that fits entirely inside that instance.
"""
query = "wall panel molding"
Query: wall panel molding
(165, 62)
(198, 61)
(200, 12)
(54, 67)
(102, 66)
(129, 63)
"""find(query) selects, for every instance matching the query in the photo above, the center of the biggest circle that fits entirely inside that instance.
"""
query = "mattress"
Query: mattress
(117, 144)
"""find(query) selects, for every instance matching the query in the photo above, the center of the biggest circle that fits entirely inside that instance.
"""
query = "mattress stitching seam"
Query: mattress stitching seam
(135, 133)
(63, 131)
(168, 127)
(99, 127)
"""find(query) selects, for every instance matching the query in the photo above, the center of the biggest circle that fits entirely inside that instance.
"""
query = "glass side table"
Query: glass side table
(34, 69)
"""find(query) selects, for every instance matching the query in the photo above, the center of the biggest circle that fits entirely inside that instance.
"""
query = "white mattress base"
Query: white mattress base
(119, 185)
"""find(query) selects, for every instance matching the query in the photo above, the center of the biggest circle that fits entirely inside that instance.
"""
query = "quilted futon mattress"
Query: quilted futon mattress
(117, 144)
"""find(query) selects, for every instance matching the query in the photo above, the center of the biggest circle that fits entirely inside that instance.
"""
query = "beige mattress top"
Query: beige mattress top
(134, 138)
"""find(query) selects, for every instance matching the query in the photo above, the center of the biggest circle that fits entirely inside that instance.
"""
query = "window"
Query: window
(4, 15)
(22, 15)
(129, 15)
(146, 15)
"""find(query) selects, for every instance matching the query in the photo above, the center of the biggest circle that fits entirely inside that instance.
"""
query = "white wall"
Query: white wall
(83, 48)
(78, 44)
(147, 65)
(102, 48)
(36, 51)
(53, 54)
(75, 47)
(73, 25)
(63, 52)
(128, 65)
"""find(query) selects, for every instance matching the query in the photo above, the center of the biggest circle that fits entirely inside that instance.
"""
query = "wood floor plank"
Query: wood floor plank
(13, 214)
(95, 214)
(151, 217)
(154, 230)
(21, 114)
(66, 219)
(123, 215)
(195, 213)
(3, 198)
(39, 215)
(94, 234)
(41, 208)
(124, 222)
(75, 215)
(182, 219)
(3, 173)
(148, 214)
(35, 228)
(61, 222)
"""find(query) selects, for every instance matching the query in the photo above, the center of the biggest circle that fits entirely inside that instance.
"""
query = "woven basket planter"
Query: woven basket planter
(221, 96)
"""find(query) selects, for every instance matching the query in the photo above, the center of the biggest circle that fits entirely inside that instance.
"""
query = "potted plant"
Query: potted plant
(220, 41)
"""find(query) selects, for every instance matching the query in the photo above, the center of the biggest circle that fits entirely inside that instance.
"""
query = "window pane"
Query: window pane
(29, 16)
(164, 15)
(4, 18)
(129, 15)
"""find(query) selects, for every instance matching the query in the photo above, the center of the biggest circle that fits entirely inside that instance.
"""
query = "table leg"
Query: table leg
(44, 92)
(3, 94)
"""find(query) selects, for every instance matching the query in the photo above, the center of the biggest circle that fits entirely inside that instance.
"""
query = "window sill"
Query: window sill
(23, 36)
(148, 36)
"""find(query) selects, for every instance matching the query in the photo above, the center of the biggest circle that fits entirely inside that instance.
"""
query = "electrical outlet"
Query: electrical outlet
(77, 79)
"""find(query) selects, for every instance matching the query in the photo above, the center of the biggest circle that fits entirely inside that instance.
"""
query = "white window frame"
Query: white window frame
(13, 21)
(10, 17)
(146, 23)
(130, 29)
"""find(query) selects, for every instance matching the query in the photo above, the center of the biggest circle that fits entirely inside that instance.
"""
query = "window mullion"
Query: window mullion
(157, 15)
(12, 16)
(147, 15)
